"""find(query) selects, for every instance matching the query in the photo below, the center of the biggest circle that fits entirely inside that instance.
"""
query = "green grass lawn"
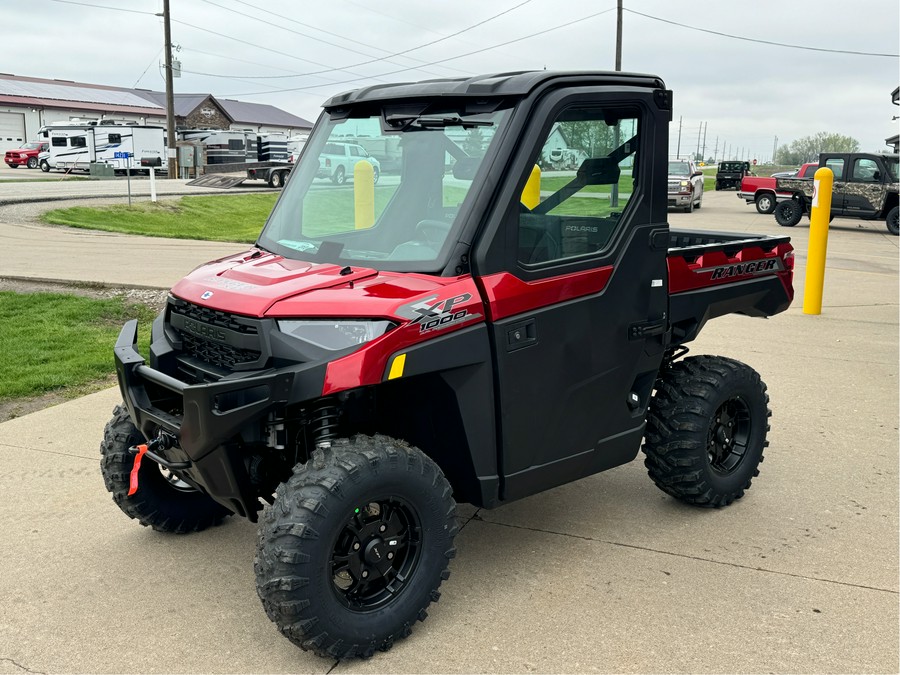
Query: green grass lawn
(216, 218)
(53, 341)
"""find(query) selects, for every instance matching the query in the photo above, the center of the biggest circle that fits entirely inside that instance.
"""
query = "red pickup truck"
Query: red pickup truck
(27, 155)
(761, 191)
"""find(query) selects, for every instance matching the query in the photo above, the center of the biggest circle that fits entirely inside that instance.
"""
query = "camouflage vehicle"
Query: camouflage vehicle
(865, 186)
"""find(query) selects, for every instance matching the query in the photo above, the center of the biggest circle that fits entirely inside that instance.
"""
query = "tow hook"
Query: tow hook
(161, 442)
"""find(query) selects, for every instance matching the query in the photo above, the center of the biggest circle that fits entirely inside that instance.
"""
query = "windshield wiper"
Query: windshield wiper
(456, 121)
(406, 121)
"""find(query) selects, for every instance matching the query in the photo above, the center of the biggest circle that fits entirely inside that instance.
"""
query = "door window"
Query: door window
(836, 164)
(866, 171)
(586, 181)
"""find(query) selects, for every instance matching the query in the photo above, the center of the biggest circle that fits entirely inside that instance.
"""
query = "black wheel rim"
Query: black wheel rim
(729, 436)
(376, 554)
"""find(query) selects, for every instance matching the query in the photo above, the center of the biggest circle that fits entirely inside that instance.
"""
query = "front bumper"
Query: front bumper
(208, 417)
(680, 199)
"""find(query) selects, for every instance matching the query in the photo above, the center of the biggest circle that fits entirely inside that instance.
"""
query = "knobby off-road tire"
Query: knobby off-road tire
(706, 430)
(164, 503)
(355, 547)
(893, 221)
(788, 213)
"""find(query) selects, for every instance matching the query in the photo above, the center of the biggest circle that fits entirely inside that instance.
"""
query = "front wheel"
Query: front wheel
(706, 430)
(355, 546)
(32, 163)
(765, 204)
(339, 177)
(45, 165)
(788, 213)
(892, 219)
(163, 501)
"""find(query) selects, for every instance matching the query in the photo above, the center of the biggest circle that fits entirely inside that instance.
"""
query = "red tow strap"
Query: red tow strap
(133, 486)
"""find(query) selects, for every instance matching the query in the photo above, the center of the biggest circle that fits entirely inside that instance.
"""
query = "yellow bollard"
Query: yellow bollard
(531, 195)
(364, 195)
(818, 241)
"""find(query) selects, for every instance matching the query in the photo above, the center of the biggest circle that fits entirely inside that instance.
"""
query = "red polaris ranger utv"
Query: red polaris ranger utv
(455, 333)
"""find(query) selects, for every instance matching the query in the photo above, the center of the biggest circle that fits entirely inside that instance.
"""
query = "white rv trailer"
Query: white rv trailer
(220, 146)
(77, 146)
(223, 146)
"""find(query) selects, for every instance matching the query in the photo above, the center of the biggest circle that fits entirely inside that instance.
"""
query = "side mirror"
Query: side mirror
(696, 173)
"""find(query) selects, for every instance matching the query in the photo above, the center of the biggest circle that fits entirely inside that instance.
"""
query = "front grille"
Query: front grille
(238, 343)
(215, 318)
(216, 353)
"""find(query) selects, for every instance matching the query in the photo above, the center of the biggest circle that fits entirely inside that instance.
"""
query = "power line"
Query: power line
(381, 58)
(765, 42)
(432, 63)
(250, 44)
(326, 32)
(114, 9)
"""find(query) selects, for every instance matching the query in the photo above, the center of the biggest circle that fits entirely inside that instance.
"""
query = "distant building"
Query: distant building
(28, 103)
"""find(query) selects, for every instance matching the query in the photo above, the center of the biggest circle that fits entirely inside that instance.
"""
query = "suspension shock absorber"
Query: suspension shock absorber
(324, 423)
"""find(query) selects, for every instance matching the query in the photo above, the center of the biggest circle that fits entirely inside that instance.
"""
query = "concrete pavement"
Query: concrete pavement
(604, 575)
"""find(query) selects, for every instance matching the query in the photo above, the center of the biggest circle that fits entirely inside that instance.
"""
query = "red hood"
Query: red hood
(264, 284)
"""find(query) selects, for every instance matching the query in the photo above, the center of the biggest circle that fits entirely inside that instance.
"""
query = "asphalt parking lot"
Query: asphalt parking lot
(607, 574)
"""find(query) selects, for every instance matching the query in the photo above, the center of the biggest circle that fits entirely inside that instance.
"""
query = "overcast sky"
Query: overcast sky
(748, 93)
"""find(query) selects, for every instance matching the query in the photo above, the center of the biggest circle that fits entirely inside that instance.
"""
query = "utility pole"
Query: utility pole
(716, 151)
(699, 129)
(614, 191)
(703, 154)
(619, 36)
(678, 149)
(774, 148)
(170, 96)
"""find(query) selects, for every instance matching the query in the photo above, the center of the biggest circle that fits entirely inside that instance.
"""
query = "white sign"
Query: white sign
(815, 201)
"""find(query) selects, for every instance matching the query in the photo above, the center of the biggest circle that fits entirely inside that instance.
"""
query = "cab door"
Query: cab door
(577, 297)
(864, 191)
(838, 165)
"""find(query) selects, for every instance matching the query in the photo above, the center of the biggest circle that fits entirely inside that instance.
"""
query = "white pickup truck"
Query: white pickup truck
(337, 161)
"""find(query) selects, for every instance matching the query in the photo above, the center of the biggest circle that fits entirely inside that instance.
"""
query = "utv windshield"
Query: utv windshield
(731, 166)
(382, 191)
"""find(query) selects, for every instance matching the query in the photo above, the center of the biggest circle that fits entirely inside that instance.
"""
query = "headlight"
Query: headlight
(335, 334)
(685, 183)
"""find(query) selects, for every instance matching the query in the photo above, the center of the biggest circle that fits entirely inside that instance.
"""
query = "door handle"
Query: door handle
(521, 335)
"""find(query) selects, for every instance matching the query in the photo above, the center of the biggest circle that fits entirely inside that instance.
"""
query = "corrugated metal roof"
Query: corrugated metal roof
(185, 104)
(261, 113)
(79, 105)
(81, 96)
(72, 92)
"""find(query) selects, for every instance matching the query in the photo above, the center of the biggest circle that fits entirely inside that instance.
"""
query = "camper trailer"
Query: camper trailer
(75, 146)
(221, 146)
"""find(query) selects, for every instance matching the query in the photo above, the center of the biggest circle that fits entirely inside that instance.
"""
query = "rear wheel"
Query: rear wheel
(892, 219)
(163, 501)
(32, 163)
(276, 179)
(339, 177)
(355, 547)
(788, 213)
(765, 203)
(706, 430)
